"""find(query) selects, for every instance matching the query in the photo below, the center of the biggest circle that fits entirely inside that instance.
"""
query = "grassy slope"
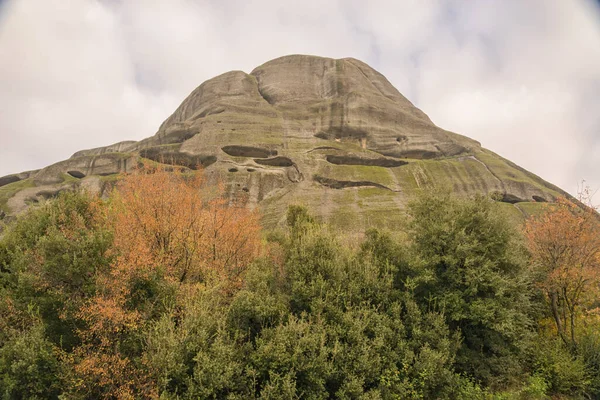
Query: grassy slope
(7, 191)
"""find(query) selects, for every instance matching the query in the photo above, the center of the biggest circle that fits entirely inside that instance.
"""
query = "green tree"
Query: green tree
(29, 366)
(314, 320)
(474, 266)
(50, 258)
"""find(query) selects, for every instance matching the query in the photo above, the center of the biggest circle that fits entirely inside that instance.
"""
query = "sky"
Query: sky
(520, 76)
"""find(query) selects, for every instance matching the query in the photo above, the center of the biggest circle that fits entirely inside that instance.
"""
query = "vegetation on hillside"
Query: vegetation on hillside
(168, 290)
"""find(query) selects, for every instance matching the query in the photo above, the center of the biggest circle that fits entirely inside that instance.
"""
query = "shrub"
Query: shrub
(30, 367)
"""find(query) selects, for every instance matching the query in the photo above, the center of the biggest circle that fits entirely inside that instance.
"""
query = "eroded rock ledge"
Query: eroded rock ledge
(248, 151)
(5, 180)
(275, 162)
(175, 157)
(335, 184)
(353, 160)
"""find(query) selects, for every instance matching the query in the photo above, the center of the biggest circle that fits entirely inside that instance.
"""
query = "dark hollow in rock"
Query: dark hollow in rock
(341, 132)
(335, 184)
(275, 162)
(76, 174)
(246, 189)
(250, 169)
(506, 198)
(353, 160)
(208, 112)
(451, 149)
(233, 170)
(510, 198)
(539, 199)
(401, 138)
(5, 180)
(415, 154)
(323, 148)
(248, 151)
(168, 156)
(177, 136)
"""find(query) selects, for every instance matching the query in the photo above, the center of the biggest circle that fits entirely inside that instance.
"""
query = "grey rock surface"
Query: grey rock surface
(334, 135)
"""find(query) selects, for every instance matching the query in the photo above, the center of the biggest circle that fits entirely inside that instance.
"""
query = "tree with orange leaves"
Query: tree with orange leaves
(172, 232)
(182, 224)
(564, 243)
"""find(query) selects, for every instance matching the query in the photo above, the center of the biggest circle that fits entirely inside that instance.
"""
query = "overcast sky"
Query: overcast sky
(520, 76)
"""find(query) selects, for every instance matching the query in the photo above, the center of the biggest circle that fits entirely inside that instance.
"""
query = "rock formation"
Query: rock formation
(334, 135)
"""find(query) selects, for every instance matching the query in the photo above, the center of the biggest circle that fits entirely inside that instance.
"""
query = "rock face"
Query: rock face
(334, 135)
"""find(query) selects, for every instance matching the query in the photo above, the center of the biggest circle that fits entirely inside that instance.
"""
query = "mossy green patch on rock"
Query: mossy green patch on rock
(8, 191)
(366, 193)
(384, 218)
(110, 178)
(513, 213)
(344, 218)
(533, 209)
(378, 175)
(67, 178)
(508, 172)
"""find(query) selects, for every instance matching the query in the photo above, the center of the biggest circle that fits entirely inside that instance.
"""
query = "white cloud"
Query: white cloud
(66, 82)
(521, 77)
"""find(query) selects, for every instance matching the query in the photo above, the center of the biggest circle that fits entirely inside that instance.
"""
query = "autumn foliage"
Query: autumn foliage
(565, 247)
(172, 231)
(182, 225)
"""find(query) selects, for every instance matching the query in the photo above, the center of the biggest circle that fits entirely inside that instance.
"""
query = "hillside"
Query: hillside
(333, 135)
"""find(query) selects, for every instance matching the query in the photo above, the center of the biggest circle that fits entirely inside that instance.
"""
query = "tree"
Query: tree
(172, 231)
(565, 252)
(184, 225)
(29, 366)
(473, 270)
(320, 320)
(49, 260)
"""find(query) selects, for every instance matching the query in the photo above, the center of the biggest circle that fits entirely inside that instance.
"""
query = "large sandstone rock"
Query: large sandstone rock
(334, 135)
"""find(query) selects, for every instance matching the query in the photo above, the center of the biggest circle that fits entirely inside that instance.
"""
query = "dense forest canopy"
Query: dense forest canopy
(167, 289)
